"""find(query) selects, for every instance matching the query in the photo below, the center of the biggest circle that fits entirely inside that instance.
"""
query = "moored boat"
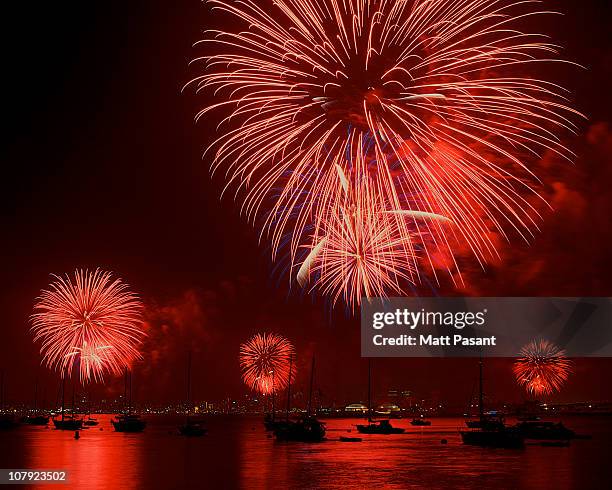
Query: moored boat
(503, 438)
(68, 423)
(35, 419)
(306, 429)
(7, 422)
(545, 431)
(191, 428)
(379, 427)
(490, 429)
(376, 426)
(128, 422)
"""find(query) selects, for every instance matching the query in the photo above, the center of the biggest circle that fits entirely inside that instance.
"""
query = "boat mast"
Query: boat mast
(273, 395)
(289, 386)
(2, 391)
(480, 394)
(369, 390)
(312, 367)
(63, 397)
(130, 399)
(36, 395)
(188, 384)
(73, 396)
(125, 387)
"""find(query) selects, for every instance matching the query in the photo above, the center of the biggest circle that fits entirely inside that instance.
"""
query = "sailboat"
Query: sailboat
(90, 421)
(35, 418)
(490, 430)
(420, 422)
(71, 422)
(128, 422)
(7, 420)
(270, 421)
(191, 428)
(376, 426)
(305, 429)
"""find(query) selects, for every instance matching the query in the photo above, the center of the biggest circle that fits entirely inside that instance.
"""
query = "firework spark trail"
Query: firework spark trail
(93, 322)
(542, 368)
(264, 362)
(436, 98)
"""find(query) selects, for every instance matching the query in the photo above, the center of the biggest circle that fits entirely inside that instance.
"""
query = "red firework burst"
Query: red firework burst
(431, 107)
(265, 362)
(543, 367)
(92, 321)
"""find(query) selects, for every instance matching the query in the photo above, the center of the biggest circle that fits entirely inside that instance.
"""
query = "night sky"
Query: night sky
(102, 167)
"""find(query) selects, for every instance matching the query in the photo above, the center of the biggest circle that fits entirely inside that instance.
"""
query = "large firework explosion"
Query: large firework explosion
(542, 368)
(265, 361)
(91, 321)
(434, 108)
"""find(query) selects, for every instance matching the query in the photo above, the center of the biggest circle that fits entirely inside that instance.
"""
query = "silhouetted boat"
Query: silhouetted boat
(379, 426)
(270, 422)
(68, 423)
(529, 418)
(565, 443)
(490, 431)
(71, 422)
(7, 420)
(350, 439)
(488, 421)
(128, 422)
(90, 422)
(35, 420)
(420, 422)
(504, 438)
(545, 431)
(191, 428)
(305, 429)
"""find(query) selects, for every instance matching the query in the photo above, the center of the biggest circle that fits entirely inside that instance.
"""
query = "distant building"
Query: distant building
(387, 408)
(356, 408)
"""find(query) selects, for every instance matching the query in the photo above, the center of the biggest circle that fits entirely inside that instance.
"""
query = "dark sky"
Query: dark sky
(102, 167)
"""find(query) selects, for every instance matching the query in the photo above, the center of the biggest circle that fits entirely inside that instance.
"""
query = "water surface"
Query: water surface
(238, 453)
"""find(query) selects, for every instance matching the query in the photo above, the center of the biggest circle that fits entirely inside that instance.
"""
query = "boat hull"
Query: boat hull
(300, 431)
(68, 424)
(494, 438)
(7, 422)
(192, 430)
(382, 427)
(128, 424)
(545, 431)
(36, 420)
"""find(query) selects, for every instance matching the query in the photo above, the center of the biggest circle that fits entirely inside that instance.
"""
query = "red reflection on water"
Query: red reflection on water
(96, 460)
(416, 458)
